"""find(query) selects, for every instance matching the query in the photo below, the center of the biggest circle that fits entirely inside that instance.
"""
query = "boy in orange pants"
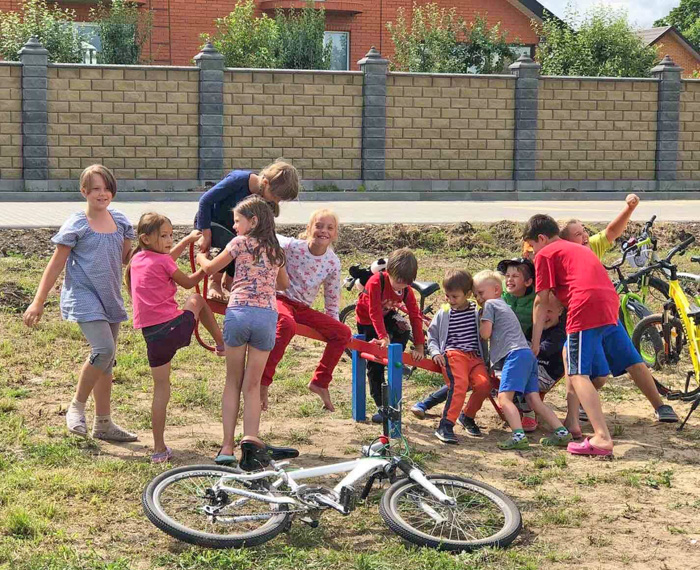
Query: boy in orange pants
(454, 344)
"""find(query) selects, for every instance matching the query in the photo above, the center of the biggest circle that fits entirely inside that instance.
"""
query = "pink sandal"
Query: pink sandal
(587, 448)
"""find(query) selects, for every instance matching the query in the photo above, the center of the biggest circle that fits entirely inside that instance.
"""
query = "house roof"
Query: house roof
(533, 9)
(653, 35)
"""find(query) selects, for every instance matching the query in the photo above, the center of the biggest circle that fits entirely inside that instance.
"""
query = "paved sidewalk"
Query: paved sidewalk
(53, 214)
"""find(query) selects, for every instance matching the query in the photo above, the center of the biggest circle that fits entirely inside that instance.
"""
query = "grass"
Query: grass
(73, 504)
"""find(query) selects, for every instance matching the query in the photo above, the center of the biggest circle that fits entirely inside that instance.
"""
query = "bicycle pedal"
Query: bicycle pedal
(309, 521)
(347, 499)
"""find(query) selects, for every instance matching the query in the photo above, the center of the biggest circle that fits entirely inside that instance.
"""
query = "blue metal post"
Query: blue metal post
(395, 380)
(359, 384)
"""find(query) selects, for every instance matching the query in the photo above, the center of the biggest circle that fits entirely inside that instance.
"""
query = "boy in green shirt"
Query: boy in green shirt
(519, 293)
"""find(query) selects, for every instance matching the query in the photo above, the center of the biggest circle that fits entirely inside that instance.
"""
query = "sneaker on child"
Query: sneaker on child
(445, 433)
(469, 425)
(418, 410)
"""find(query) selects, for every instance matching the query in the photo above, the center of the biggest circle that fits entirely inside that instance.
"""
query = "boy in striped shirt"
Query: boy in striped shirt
(454, 344)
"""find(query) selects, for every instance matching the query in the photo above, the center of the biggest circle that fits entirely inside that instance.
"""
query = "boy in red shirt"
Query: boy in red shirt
(575, 277)
(379, 321)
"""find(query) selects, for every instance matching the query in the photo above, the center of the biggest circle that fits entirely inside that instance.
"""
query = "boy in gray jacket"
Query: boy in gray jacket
(454, 344)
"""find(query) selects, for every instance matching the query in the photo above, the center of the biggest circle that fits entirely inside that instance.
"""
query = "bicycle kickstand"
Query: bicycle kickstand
(696, 402)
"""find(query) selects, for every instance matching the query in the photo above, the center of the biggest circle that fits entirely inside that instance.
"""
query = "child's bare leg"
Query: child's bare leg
(251, 390)
(88, 378)
(264, 397)
(541, 409)
(201, 310)
(231, 399)
(161, 397)
(588, 395)
(572, 422)
(510, 411)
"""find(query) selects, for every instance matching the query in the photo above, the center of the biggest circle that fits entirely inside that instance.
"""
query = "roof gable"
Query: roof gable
(651, 36)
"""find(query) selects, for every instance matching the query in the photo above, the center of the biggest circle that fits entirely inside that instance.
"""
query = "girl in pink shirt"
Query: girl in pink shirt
(152, 278)
(311, 263)
(251, 316)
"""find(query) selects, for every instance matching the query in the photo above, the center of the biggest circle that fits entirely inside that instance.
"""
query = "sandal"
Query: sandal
(75, 422)
(557, 440)
(587, 448)
(228, 460)
(162, 456)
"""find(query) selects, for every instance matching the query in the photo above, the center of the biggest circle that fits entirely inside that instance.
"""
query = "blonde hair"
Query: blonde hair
(283, 179)
(317, 215)
(149, 223)
(264, 231)
(564, 232)
(488, 275)
(98, 169)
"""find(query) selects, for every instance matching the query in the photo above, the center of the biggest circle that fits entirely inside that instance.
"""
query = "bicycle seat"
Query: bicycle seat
(425, 288)
(254, 456)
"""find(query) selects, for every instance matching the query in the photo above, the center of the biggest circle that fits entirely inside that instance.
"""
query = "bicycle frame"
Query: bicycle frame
(690, 328)
(356, 470)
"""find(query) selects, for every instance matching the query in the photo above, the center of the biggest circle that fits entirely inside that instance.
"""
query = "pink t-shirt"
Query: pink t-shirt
(254, 282)
(153, 289)
(307, 272)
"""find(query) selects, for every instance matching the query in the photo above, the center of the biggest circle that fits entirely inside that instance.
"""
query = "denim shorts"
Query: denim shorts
(250, 325)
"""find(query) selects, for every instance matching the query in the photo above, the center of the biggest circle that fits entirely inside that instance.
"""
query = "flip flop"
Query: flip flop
(587, 448)
(229, 460)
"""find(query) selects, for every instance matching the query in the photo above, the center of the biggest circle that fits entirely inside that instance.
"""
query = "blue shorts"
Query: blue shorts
(599, 351)
(520, 372)
(250, 325)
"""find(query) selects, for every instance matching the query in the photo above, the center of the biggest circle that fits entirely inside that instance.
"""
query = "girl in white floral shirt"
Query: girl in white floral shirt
(311, 262)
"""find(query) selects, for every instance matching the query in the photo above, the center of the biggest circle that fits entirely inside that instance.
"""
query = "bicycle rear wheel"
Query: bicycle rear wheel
(175, 500)
(483, 516)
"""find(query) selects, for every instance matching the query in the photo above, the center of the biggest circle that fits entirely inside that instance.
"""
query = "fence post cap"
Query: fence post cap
(33, 47)
(208, 52)
(374, 57)
(524, 61)
(666, 64)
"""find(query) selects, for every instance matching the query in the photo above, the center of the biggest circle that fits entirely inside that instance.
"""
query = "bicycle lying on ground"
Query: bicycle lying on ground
(674, 336)
(224, 507)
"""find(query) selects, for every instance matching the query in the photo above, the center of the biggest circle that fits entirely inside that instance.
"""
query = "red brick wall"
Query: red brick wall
(179, 23)
(669, 44)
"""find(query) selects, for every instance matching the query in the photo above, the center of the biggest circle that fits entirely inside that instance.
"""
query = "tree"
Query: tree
(300, 37)
(439, 41)
(601, 44)
(243, 39)
(685, 17)
(52, 25)
(123, 30)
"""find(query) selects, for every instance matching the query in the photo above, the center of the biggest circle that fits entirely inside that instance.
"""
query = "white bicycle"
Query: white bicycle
(225, 507)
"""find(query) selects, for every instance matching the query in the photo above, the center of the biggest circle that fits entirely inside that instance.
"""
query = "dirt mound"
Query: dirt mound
(13, 298)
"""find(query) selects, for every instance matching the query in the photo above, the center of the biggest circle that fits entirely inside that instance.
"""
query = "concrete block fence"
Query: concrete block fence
(172, 129)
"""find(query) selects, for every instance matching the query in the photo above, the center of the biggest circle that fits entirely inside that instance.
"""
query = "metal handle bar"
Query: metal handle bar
(665, 263)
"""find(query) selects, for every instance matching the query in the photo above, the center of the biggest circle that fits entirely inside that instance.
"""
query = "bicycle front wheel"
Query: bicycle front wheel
(482, 516)
(175, 501)
(672, 360)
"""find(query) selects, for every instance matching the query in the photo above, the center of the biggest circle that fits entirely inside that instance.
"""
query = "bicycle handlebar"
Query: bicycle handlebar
(681, 247)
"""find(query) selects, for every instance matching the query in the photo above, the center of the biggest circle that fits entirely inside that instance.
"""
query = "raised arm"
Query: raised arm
(617, 226)
(56, 264)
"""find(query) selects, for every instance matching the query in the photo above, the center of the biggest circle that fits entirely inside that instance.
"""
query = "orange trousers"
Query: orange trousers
(464, 370)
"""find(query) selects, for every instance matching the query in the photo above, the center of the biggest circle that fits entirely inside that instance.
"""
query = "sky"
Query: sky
(641, 13)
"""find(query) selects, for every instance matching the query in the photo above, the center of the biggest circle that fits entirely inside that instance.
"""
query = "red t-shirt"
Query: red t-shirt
(373, 305)
(580, 282)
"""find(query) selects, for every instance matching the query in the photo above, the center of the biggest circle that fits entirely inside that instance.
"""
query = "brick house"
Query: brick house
(353, 25)
(669, 41)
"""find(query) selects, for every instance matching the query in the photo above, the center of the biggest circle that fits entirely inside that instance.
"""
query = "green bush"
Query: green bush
(439, 41)
(243, 39)
(293, 40)
(123, 30)
(601, 43)
(52, 25)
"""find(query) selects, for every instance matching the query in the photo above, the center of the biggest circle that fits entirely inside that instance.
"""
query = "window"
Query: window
(93, 43)
(340, 49)
(522, 50)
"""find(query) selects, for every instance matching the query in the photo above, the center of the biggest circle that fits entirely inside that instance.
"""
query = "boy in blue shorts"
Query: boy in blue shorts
(596, 342)
(520, 370)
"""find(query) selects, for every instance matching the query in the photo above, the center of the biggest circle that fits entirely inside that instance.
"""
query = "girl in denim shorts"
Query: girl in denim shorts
(152, 278)
(251, 316)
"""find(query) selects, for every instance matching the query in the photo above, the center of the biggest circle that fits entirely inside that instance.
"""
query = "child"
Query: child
(276, 182)
(379, 321)
(508, 344)
(519, 294)
(573, 274)
(152, 278)
(311, 262)
(91, 246)
(454, 344)
(251, 318)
